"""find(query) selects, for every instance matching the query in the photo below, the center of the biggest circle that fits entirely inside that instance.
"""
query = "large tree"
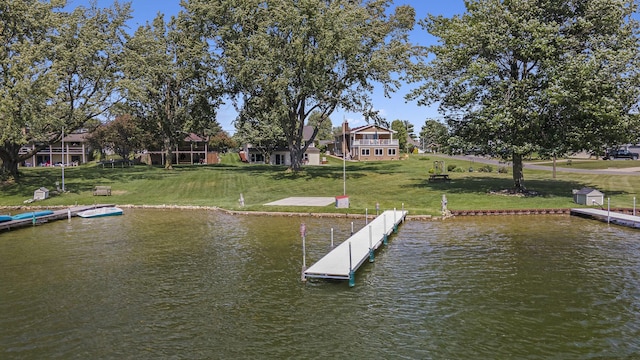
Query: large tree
(123, 136)
(324, 126)
(57, 71)
(402, 135)
(521, 76)
(434, 134)
(292, 58)
(172, 83)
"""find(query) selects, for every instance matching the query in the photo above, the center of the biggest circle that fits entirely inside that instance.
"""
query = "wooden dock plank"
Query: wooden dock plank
(335, 264)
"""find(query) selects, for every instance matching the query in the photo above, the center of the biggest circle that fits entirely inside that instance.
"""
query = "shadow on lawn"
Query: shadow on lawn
(484, 185)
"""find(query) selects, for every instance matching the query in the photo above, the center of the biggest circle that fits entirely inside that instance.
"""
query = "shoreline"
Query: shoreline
(451, 213)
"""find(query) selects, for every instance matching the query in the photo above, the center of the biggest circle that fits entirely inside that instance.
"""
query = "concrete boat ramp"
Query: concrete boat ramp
(58, 214)
(342, 262)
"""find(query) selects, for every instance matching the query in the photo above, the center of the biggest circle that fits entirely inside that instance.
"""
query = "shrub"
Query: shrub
(451, 167)
(485, 168)
(503, 170)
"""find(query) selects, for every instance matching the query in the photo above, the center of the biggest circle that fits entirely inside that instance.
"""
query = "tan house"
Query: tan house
(367, 143)
(72, 150)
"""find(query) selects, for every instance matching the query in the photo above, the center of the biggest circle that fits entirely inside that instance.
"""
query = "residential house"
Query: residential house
(367, 143)
(282, 155)
(193, 149)
(73, 149)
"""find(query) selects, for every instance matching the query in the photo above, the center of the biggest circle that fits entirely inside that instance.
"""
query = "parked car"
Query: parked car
(621, 154)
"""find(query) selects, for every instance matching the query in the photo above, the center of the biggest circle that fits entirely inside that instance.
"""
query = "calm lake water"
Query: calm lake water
(168, 284)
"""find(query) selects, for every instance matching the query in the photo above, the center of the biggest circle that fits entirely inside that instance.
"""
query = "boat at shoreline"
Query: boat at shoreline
(101, 212)
(4, 218)
(32, 214)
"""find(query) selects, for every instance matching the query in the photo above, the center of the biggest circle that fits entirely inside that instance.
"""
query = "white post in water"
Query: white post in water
(332, 238)
(608, 209)
(634, 206)
(371, 259)
(352, 228)
(384, 223)
(303, 233)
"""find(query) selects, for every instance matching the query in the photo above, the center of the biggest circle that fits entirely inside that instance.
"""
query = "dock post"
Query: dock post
(608, 210)
(332, 238)
(352, 275)
(395, 222)
(403, 213)
(371, 253)
(384, 239)
(377, 208)
(69, 214)
(33, 220)
(366, 216)
(303, 233)
(634, 206)
(352, 228)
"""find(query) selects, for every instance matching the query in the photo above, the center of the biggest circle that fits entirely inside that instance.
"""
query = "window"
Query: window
(365, 152)
(257, 158)
(378, 152)
(391, 151)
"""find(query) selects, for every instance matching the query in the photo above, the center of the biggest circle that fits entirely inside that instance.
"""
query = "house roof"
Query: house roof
(76, 137)
(588, 191)
(194, 138)
(370, 127)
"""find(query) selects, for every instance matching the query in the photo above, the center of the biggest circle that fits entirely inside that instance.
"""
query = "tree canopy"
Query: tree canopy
(172, 81)
(520, 76)
(283, 60)
(57, 70)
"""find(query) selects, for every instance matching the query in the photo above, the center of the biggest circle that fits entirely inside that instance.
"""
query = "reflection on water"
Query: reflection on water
(203, 285)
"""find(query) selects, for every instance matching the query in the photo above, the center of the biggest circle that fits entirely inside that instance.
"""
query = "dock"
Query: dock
(58, 214)
(342, 262)
(609, 217)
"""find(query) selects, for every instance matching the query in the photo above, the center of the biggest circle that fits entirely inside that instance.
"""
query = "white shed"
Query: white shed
(41, 194)
(588, 196)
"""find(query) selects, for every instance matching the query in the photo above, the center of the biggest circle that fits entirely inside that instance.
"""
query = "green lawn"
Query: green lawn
(391, 184)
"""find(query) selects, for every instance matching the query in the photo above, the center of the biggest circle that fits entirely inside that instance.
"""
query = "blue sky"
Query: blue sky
(390, 108)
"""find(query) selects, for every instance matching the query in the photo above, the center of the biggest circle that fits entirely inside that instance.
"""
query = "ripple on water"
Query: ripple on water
(202, 285)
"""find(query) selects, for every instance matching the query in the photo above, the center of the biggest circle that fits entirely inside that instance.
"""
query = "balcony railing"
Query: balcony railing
(383, 142)
(55, 150)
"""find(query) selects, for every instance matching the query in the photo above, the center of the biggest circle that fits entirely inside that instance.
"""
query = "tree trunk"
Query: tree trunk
(168, 159)
(10, 156)
(518, 175)
(296, 158)
(10, 167)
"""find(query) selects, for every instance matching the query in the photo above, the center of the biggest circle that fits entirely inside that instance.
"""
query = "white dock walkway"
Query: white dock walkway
(609, 217)
(337, 264)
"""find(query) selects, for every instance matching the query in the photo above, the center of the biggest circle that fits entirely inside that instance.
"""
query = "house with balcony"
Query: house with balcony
(193, 149)
(367, 143)
(72, 150)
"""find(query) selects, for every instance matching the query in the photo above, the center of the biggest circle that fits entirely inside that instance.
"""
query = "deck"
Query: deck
(58, 214)
(337, 264)
(609, 217)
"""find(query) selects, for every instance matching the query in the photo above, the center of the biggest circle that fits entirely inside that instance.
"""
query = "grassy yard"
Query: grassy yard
(391, 184)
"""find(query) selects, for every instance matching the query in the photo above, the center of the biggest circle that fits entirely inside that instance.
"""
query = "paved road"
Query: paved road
(479, 159)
